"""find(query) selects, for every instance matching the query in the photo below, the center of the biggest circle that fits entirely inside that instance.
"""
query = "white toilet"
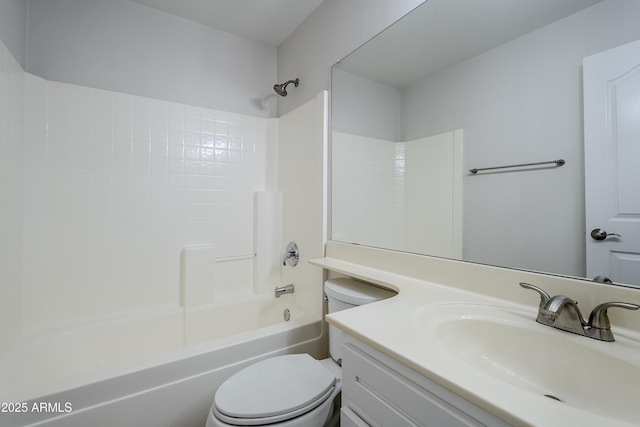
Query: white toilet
(294, 389)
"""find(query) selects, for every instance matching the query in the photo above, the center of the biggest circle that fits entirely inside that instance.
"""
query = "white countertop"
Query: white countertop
(390, 327)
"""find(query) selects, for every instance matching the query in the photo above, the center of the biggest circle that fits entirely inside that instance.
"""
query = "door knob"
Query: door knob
(598, 234)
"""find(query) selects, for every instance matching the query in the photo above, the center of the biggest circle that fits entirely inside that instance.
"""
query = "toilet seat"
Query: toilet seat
(273, 390)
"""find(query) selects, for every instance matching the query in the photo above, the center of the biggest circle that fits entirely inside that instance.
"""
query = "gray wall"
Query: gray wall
(331, 32)
(126, 47)
(366, 108)
(13, 28)
(122, 46)
(519, 103)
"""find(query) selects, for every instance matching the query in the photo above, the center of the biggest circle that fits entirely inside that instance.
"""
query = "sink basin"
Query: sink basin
(508, 345)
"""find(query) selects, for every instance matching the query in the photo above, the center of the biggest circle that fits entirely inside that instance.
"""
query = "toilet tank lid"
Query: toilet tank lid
(355, 292)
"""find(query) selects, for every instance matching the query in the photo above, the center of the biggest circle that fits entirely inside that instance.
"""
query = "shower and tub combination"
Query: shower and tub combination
(160, 364)
(140, 367)
(106, 372)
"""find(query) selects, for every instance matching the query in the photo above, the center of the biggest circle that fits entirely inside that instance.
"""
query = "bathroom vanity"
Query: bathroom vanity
(379, 391)
(460, 346)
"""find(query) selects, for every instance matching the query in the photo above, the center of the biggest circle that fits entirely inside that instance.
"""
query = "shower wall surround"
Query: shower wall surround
(379, 185)
(116, 185)
(11, 129)
(379, 177)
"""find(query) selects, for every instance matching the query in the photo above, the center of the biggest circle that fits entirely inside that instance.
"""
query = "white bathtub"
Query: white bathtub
(153, 369)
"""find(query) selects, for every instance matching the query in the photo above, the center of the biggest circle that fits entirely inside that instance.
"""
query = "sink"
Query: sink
(508, 345)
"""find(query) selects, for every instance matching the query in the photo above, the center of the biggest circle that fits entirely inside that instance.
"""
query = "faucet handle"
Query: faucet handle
(544, 297)
(599, 318)
(291, 255)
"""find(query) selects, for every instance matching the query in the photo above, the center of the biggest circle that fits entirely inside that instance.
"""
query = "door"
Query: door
(612, 163)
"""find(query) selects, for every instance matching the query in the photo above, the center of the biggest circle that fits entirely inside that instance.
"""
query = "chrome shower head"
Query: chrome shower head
(282, 89)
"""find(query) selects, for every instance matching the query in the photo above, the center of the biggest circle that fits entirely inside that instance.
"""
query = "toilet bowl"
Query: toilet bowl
(293, 389)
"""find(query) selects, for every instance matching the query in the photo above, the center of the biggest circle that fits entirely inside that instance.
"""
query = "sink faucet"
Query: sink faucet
(562, 312)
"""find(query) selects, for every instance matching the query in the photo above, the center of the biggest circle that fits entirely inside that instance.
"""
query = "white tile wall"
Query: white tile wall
(116, 185)
(11, 125)
(383, 181)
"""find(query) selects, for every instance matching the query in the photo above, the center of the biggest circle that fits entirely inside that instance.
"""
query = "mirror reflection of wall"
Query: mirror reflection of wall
(518, 101)
(409, 192)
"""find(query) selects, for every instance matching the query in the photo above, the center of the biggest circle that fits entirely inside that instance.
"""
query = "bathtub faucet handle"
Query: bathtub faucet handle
(291, 255)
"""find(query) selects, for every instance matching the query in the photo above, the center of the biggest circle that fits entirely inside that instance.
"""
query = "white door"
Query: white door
(612, 163)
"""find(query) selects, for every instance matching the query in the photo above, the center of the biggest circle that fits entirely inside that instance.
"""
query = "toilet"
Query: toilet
(293, 389)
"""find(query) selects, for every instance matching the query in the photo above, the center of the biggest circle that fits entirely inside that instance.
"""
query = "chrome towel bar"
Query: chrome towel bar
(559, 162)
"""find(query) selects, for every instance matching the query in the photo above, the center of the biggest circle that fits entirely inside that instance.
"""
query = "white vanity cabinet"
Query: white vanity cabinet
(381, 392)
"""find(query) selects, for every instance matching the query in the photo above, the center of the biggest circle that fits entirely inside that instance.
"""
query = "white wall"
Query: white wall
(367, 190)
(126, 47)
(402, 196)
(331, 32)
(11, 169)
(117, 184)
(432, 195)
(520, 103)
(302, 163)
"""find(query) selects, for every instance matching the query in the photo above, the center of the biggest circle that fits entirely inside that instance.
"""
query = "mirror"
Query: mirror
(498, 82)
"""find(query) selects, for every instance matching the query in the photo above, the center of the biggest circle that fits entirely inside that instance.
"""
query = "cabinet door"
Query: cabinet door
(382, 397)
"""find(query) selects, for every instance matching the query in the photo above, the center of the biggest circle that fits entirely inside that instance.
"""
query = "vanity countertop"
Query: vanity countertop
(395, 327)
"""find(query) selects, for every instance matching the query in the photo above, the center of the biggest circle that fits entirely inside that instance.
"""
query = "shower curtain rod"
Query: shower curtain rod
(559, 162)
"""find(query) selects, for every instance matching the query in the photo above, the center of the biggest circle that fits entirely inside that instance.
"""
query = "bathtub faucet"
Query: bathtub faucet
(283, 290)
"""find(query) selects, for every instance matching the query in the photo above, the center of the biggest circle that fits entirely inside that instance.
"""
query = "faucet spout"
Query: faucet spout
(562, 312)
(557, 303)
(282, 290)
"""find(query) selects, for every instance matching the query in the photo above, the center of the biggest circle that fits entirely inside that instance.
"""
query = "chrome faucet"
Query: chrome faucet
(291, 255)
(281, 290)
(562, 312)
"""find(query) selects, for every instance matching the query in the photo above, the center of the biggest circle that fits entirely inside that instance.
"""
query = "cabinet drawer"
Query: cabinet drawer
(382, 397)
(349, 419)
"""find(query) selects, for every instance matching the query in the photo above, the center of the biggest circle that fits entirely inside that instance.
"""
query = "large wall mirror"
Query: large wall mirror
(463, 84)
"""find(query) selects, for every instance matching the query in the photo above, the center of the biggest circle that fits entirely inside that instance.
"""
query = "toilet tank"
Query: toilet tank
(343, 293)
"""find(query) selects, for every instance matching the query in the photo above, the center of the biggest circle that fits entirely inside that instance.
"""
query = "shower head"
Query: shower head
(282, 89)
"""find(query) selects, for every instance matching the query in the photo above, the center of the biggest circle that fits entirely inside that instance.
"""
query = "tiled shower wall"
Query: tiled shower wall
(116, 185)
(11, 125)
(386, 183)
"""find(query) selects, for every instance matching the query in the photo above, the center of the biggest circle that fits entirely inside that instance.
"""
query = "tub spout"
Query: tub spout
(283, 290)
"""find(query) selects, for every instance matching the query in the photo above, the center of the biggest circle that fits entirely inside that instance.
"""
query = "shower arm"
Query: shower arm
(281, 89)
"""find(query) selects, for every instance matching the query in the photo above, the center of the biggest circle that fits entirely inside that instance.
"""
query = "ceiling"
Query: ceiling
(441, 33)
(267, 21)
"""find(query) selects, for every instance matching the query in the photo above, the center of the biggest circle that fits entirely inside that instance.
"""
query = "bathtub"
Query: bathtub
(150, 369)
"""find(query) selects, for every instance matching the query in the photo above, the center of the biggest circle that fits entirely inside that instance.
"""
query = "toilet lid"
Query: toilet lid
(275, 387)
